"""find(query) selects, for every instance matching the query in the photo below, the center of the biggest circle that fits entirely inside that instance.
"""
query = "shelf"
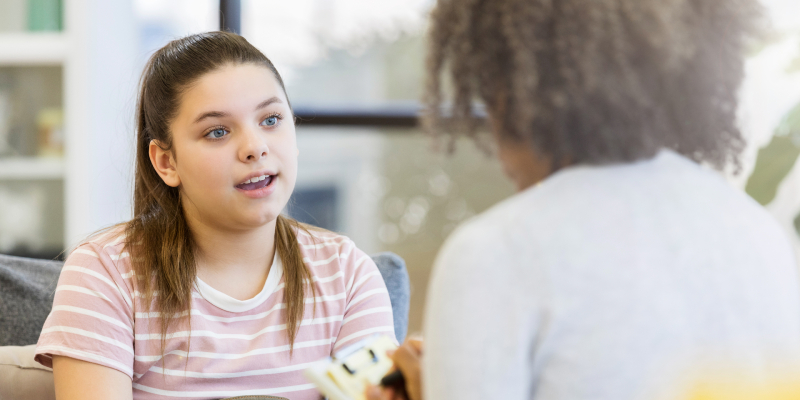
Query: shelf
(31, 168)
(32, 48)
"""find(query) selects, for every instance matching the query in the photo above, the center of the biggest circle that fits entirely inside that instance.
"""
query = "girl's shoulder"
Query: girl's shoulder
(106, 248)
(114, 235)
(322, 249)
(315, 240)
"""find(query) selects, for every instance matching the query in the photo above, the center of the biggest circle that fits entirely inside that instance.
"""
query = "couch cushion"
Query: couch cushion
(394, 273)
(26, 297)
(21, 378)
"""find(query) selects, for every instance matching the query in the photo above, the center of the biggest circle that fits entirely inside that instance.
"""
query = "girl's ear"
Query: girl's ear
(164, 164)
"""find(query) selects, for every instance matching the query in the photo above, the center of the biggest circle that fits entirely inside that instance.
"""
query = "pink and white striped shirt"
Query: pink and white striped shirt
(237, 347)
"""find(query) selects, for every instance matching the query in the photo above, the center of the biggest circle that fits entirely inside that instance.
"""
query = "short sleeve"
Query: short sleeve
(478, 322)
(92, 315)
(368, 309)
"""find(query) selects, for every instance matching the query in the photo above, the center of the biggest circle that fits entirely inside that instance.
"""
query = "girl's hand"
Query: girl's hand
(407, 359)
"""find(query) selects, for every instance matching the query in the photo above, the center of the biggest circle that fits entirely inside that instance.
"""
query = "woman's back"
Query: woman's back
(612, 282)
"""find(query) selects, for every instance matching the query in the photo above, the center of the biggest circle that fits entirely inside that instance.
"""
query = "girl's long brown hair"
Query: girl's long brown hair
(158, 239)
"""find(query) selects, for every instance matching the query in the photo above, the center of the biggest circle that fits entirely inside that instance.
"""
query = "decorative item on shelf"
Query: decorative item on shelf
(21, 219)
(50, 123)
(5, 122)
(45, 15)
(12, 15)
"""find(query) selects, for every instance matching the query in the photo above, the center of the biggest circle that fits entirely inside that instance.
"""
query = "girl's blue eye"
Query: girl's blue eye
(270, 121)
(217, 133)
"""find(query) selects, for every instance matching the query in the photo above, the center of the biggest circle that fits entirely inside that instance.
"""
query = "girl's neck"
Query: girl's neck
(222, 249)
(235, 262)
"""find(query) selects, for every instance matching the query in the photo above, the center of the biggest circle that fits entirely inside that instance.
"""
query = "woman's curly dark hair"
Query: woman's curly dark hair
(594, 81)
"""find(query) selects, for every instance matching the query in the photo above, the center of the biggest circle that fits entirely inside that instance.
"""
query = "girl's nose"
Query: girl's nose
(254, 146)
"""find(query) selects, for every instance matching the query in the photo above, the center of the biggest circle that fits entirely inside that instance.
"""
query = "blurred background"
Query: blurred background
(354, 73)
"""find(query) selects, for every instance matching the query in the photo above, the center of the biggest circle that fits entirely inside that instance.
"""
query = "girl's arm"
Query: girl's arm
(368, 310)
(81, 380)
(88, 337)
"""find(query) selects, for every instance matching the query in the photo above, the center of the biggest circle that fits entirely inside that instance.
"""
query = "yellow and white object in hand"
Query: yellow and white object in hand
(345, 376)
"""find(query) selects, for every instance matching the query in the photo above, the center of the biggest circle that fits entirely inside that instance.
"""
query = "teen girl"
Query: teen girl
(209, 292)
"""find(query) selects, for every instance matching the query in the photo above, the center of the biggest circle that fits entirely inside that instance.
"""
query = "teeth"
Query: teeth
(256, 179)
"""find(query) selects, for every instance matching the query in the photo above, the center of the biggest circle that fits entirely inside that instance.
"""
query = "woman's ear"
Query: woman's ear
(164, 164)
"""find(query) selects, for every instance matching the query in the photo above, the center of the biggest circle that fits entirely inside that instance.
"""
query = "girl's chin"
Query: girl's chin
(259, 219)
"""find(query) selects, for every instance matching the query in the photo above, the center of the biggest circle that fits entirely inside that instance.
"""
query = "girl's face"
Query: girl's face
(234, 153)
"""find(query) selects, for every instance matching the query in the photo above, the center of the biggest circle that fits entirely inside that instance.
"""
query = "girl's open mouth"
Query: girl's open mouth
(256, 183)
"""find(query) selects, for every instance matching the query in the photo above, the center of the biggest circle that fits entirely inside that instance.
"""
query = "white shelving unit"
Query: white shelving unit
(98, 54)
(33, 49)
(22, 51)
(31, 168)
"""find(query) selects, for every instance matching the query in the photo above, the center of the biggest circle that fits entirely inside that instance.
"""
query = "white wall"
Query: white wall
(349, 160)
(101, 73)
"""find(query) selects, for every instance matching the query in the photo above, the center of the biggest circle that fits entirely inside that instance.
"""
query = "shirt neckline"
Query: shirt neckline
(230, 304)
(662, 156)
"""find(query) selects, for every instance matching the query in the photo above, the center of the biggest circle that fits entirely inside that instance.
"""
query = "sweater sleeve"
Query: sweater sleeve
(478, 329)
(92, 315)
(368, 310)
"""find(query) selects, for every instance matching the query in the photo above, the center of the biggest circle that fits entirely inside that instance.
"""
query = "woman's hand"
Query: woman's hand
(407, 359)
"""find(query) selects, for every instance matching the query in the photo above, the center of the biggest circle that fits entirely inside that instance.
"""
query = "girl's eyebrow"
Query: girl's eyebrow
(221, 114)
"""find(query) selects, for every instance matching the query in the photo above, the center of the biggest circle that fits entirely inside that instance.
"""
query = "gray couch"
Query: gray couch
(26, 296)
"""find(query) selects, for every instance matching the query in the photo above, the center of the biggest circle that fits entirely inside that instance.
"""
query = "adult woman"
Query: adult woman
(628, 265)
